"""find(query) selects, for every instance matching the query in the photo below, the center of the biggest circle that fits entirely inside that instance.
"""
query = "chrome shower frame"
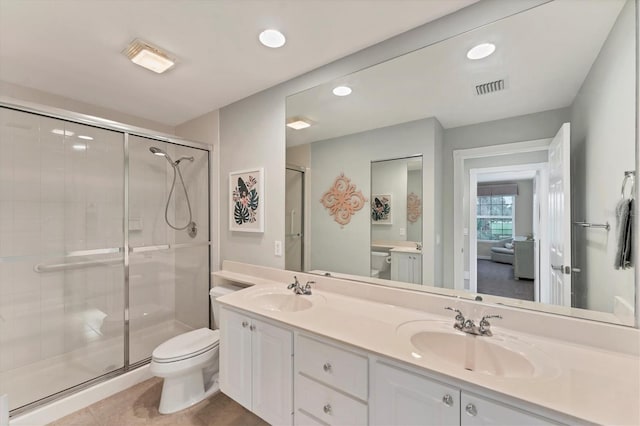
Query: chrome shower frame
(126, 130)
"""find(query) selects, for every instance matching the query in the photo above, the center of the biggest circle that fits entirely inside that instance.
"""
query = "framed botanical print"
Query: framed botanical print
(246, 200)
(381, 209)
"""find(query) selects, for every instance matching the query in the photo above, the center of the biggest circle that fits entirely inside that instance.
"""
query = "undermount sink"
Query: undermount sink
(281, 301)
(499, 356)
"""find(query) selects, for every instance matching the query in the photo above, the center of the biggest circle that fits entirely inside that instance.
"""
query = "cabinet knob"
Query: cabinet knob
(327, 367)
(447, 400)
(244, 324)
(252, 327)
(471, 410)
(327, 409)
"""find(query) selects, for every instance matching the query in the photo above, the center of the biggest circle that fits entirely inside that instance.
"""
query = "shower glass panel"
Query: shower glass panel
(168, 267)
(294, 209)
(61, 255)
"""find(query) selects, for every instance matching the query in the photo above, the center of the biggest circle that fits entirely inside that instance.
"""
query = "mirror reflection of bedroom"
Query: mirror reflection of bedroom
(506, 220)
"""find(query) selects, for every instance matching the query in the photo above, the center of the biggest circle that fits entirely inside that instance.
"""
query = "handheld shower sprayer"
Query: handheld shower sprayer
(191, 225)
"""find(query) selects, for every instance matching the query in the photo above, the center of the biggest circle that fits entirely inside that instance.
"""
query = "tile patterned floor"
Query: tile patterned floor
(138, 405)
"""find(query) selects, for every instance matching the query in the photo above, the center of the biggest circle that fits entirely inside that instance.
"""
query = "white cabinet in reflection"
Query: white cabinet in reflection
(406, 267)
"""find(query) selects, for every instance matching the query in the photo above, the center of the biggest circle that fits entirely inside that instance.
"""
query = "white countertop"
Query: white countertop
(588, 383)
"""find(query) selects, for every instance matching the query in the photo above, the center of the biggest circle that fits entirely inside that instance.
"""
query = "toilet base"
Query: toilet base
(182, 392)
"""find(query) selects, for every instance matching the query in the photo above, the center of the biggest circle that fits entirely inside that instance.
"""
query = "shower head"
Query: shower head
(157, 151)
(160, 153)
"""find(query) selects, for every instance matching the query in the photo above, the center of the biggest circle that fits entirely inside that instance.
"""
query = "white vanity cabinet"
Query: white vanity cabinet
(256, 366)
(402, 397)
(406, 267)
(331, 384)
(479, 411)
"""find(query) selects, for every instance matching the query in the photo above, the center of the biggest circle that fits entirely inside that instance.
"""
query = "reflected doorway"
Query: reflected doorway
(294, 219)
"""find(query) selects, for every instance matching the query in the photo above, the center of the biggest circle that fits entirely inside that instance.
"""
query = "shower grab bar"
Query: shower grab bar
(56, 267)
(594, 225)
(142, 249)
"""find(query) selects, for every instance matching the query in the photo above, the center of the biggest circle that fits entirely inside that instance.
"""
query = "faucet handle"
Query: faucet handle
(485, 325)
(294, 284)
(307, 287)
(459, 317)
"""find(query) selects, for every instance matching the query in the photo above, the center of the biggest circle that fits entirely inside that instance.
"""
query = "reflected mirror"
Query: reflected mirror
(528, 164)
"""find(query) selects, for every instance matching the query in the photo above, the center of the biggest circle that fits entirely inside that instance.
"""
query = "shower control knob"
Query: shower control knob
(244, 324)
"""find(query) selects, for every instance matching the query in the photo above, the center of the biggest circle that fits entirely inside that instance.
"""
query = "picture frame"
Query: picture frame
(246, 200)
(381, 209)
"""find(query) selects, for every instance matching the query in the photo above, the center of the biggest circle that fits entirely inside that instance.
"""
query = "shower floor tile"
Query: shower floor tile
(139, 405)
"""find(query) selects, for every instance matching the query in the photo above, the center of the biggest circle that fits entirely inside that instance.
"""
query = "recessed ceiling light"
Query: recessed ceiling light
(272, 38)
(86, 138)
(481, 51)
(62, 132)
(148, 56)
(299, 123)
(79, 147)
(342, 91)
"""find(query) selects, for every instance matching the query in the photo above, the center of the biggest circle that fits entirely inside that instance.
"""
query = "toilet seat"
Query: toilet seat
(187, 345)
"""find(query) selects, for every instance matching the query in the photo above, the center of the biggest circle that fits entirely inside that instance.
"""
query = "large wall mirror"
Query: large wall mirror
(507, 170)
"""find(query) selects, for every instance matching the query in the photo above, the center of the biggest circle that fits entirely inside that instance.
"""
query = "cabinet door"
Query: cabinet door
(416, 269)
(272, 373)
(477, 411)
(401, 267)
(235, 356)
(400, 397)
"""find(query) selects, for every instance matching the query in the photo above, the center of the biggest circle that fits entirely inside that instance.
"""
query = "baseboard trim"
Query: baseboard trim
(77, 401)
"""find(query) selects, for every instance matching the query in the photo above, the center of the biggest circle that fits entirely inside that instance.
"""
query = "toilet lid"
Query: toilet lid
(187, 345)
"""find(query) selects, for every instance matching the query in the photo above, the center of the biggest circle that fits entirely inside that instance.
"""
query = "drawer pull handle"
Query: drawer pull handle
(327, 367)
(471, 410)
(327, 409)
(244, 324)
(252, 327)
(447, 400)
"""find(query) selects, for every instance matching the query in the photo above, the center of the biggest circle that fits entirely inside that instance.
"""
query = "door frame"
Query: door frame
(460, 196)
(540, 218)
(304, 261)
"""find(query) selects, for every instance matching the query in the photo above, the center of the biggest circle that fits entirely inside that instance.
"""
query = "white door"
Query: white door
(400, 397)
(272, 373)
(478, 411)
(235, 357)
(559, 291)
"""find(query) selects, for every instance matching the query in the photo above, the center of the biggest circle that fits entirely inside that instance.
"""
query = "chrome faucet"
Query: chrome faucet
(470, 327)
(418, 246)
(299, 288)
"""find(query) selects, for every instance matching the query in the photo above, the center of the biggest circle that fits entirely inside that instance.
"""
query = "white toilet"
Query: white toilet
(380, 264)
(188, 363)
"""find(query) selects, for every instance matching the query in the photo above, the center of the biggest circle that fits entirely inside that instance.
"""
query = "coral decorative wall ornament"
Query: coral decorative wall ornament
(414, 208)
(343, 200)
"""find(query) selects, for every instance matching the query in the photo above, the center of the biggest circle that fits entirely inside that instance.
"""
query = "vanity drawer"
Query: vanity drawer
(328, 405)
(336, 367)
(304, 419)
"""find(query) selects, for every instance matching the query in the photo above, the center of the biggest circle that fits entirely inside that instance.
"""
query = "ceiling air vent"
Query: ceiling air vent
(490, 87)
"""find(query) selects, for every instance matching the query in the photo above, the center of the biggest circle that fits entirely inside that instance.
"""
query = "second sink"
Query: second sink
(281, 301)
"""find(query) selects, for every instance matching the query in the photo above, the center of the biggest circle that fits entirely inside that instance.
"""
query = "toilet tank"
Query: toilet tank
(379, 260)
(217, 291)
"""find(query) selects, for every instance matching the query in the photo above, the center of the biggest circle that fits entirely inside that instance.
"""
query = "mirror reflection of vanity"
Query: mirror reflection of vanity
(523, 157)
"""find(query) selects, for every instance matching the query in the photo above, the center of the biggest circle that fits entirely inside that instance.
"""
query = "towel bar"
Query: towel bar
(594, 225)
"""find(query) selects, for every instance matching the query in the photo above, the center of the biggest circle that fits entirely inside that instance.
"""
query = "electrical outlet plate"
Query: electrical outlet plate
(277, 248)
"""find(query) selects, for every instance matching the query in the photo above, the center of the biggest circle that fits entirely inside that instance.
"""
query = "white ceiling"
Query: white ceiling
(544, 54)
(72, 47)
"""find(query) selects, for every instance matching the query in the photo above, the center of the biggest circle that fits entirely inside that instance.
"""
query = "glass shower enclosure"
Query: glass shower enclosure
(104, 249)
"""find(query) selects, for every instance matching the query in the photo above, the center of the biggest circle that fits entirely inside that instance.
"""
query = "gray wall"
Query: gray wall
(252, 131)
(602, 135)
(347, 248)
(539, 125)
